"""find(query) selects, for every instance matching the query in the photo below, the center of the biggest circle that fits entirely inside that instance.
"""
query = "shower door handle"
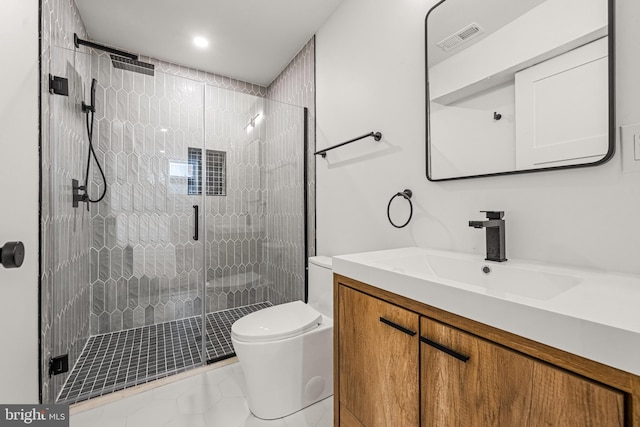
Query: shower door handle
(196, 209)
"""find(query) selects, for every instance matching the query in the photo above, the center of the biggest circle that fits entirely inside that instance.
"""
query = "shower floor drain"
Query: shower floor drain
(118, 360)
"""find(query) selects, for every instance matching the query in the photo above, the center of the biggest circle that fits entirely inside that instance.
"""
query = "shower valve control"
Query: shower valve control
(77, 195)
(12, 254)
(58, 85)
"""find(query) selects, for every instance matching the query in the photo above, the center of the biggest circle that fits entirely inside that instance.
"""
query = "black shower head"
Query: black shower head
(134, 65)
(119, 58)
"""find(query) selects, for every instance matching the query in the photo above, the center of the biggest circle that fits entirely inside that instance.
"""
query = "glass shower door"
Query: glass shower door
(66, 283)
(255, 210)
(127, 280)
(127, 275)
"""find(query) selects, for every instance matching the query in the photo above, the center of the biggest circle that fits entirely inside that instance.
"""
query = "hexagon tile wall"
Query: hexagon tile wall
(146, 266)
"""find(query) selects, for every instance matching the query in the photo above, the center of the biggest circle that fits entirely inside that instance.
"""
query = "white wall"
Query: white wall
(19, 199)
(370, 76)
(483, 145)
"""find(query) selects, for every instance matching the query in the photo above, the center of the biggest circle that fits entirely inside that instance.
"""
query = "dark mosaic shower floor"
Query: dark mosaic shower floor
(123, 359)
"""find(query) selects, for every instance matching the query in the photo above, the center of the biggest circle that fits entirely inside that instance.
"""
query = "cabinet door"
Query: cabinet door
(378, 361)
(500, 387)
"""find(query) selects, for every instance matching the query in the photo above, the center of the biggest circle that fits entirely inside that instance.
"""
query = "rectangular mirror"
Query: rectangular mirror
(518, 86)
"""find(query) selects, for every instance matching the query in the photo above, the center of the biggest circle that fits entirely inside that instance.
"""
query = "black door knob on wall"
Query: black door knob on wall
(12, 254)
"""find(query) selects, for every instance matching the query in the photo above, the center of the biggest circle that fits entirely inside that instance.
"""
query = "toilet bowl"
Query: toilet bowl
(286, 351)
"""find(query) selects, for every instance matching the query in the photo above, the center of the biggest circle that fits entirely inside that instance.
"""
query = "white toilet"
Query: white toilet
(286, 351)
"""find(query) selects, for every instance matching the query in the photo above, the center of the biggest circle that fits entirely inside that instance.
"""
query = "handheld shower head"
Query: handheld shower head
(94, 84)
(90, 118)
(92, 106)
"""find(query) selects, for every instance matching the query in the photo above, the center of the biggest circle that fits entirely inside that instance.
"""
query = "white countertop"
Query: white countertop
(596, 317)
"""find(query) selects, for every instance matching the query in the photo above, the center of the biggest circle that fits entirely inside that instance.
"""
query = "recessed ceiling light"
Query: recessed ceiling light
(200, 42)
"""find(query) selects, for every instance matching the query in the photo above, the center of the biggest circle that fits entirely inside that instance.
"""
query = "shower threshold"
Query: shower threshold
(118, 360)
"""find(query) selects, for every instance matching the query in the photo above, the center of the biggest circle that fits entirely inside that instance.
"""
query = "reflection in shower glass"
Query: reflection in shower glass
(193, 171)
(216, 173)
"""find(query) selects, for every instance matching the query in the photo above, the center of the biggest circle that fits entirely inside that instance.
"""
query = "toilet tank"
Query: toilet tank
(321, 285)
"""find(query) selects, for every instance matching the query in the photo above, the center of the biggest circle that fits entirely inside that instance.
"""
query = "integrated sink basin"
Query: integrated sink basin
(576, 310)
(492, 278)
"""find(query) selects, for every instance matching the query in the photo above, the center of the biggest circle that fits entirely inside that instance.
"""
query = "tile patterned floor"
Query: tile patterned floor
(214, 398)
(123, 359)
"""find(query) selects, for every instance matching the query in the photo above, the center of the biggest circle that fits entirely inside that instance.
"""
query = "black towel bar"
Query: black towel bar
(376, 135)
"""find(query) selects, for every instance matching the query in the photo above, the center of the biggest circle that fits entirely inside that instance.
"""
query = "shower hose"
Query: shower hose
(90, 112)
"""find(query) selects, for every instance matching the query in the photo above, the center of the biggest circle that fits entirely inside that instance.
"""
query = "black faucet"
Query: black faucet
(495, 235)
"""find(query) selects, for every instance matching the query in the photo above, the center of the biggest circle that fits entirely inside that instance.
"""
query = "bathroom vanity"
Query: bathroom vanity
(413, 347)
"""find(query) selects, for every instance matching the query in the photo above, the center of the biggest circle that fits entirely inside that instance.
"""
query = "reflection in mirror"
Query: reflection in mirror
(515, 86)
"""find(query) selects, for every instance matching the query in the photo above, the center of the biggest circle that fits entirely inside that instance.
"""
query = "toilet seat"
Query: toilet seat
(276, 323)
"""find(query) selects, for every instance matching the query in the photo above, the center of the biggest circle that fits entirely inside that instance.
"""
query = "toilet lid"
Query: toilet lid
(276, 323)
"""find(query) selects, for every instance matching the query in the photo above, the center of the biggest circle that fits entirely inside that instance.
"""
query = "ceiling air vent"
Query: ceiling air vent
(459, 37)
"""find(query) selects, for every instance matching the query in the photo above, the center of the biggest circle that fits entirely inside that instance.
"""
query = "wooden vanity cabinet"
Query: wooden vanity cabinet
(496, 386)
(379, 361)
(402, 363)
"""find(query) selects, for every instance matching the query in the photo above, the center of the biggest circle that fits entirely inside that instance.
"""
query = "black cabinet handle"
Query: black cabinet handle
(196, 209)
(12, 254)
(398, 327)
(445, 349)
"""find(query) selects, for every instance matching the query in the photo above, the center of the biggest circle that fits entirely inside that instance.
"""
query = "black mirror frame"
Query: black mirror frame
(612, 106)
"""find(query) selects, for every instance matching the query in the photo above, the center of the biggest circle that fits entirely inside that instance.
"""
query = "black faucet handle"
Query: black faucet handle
(494, 214)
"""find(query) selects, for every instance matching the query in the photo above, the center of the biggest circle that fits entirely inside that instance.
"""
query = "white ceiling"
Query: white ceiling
(250, 40)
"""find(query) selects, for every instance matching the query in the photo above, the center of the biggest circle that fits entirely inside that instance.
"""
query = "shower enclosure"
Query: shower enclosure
(203, 221)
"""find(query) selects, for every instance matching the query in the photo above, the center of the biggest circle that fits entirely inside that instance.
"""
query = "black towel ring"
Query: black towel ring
(407, 195)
